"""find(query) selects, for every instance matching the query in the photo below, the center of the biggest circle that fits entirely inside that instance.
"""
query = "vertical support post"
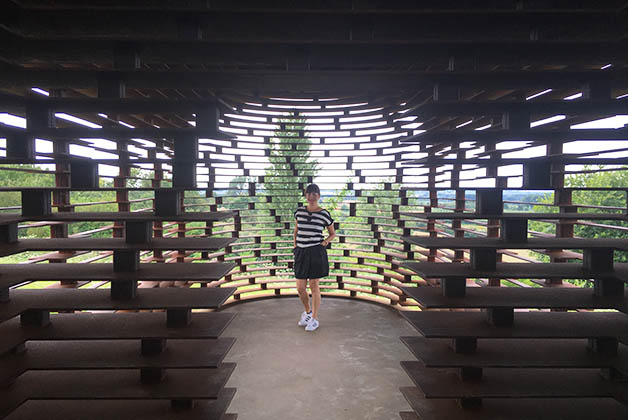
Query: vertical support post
(35, 318)
(83, 173)
(178, 317)
(153, 346)
(4, 295)
(468, 373)
(123, 289)
(500, 317)
(483, 259)
(537, 174)
(598, 259)
(456, 224)
(608, 286)
(125, 261)
(167, 202)
(152, 375)
(140, 231)
(184, 162)
(464, 345)
(125, 57)
(20, 146)
(8, 233)
(607, 346)
(36, 203)
(492, 225)
(514, 230)
(433, 194)
(454, 286)
(488, 202)
(156, 184)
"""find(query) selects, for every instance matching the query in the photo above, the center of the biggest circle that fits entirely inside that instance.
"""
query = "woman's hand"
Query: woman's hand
(324, 243)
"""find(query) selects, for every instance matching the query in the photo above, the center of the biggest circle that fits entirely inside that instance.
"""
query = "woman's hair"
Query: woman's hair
(312, 188)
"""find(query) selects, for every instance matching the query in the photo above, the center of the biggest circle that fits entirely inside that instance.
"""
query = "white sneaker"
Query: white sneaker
(312, 325)
(305, 319)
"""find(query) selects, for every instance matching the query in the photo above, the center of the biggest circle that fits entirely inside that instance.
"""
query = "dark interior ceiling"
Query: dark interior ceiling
(327, 47)
(387, 51)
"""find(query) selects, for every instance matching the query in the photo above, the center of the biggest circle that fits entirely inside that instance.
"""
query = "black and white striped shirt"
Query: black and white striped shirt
(310, 226)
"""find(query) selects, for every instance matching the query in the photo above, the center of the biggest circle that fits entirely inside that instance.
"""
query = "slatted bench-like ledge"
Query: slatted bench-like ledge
(526, 325)
(516, 409)
(516, 353)
(518, 216)
(125, 410)
(88, 216)
(421, 186)
(512, 383)
(169, 189)
(516, 297)
(113, 326)
(100, 299)
(14, 274)
(115, 244)
(119, 354)
(120, 384)
(517, 270)
(531, 243)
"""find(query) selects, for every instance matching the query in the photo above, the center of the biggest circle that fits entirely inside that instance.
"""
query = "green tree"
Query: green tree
(594, 202)
(290, 164)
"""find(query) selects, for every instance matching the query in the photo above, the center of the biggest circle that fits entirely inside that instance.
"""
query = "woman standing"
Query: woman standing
(310, 253)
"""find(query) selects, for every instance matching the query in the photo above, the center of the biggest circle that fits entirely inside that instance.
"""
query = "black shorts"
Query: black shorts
(311, 262)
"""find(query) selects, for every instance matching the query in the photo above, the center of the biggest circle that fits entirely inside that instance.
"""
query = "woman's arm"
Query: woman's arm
(296, 228)
(332, 235)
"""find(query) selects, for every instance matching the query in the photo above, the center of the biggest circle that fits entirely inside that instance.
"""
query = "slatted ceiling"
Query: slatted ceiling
(516, 409)
(133, 409)
(116, 133)
(548, 135)
(515, 353)
(121, 326)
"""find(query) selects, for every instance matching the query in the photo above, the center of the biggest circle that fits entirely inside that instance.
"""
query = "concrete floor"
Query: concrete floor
(347, 369)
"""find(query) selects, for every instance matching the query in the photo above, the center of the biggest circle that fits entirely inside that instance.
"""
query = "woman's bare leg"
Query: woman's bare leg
(316, 297)
(302, 291)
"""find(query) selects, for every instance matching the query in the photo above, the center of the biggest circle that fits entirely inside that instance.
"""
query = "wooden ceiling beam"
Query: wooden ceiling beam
(317, 6)
(414, 25)
(353, 55)
(337, 81)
